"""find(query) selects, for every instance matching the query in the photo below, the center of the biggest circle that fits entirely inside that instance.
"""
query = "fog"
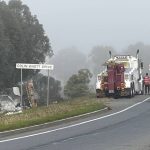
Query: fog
(82, 32)
(144, 53)
(67, 62)
(88, 23)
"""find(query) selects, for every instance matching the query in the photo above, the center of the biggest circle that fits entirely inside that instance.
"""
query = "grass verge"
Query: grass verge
(52, 113)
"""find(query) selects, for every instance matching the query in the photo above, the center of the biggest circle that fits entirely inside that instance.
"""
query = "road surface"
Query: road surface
(128, 129)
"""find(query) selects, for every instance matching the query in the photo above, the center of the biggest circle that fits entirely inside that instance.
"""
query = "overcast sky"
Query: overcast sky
(88, 23)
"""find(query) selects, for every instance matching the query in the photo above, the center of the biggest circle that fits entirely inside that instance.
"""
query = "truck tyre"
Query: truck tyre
(142, 92)
(133, 90)
(106, 93)
(99, 93)
(130, 92)
(116, 94)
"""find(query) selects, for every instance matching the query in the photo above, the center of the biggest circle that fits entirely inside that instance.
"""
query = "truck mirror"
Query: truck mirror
(142, 65)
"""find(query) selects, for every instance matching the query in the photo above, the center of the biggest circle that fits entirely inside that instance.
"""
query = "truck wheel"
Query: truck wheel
(116, 95)
(130, 92)
(133, 90)
(107, 94)
(142, 92)
(99, 94)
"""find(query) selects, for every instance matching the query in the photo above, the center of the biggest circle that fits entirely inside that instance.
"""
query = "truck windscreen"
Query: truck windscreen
(125, 63)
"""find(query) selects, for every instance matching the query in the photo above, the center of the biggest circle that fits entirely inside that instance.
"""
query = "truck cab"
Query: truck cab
(133, 73)
(124, 76)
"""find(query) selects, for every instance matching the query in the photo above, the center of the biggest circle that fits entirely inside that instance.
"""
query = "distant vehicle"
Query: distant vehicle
(122, 77)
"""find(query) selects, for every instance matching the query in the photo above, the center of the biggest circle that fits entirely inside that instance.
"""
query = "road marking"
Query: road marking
(75, 125)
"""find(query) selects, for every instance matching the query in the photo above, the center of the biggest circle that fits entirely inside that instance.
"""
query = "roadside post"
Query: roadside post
(21, 89)
(48, 67)
(48, 89)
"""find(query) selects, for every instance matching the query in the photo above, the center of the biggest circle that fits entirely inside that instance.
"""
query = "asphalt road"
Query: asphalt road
(128, 129)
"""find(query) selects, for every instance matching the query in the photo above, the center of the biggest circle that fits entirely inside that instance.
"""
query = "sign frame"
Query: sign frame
(34, 66)
(48, 67)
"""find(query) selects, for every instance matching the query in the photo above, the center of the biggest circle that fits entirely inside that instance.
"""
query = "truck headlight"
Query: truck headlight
(127, 84)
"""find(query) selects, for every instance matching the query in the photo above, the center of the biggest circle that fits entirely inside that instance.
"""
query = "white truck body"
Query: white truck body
(133, 73)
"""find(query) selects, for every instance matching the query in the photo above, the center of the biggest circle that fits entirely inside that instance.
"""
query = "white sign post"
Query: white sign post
(35, 66)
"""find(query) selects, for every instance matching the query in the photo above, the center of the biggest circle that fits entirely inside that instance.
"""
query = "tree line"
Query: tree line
(23, 40)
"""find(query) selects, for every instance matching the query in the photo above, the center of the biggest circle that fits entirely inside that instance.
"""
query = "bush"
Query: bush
(78, 84)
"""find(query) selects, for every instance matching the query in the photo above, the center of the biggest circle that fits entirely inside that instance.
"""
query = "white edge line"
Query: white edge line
(75, 125)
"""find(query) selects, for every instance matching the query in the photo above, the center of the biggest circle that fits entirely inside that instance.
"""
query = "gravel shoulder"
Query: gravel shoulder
(115, 105)
(122, 103)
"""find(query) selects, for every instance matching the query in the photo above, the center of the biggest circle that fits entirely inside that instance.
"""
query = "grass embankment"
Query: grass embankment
(54, 112)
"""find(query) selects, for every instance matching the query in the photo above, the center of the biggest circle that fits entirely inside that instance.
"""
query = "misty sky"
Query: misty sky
(87, 23)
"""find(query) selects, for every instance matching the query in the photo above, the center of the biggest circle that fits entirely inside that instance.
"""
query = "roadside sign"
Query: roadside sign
(48, 67)
(34, 66)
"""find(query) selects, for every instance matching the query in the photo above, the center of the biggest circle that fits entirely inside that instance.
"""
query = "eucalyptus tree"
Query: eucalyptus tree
(23, 40)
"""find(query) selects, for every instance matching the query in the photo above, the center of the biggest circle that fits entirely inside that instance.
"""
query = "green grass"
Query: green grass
(51, 113)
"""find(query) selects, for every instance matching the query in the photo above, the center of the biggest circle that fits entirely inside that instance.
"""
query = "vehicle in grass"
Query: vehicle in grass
(8, 104)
